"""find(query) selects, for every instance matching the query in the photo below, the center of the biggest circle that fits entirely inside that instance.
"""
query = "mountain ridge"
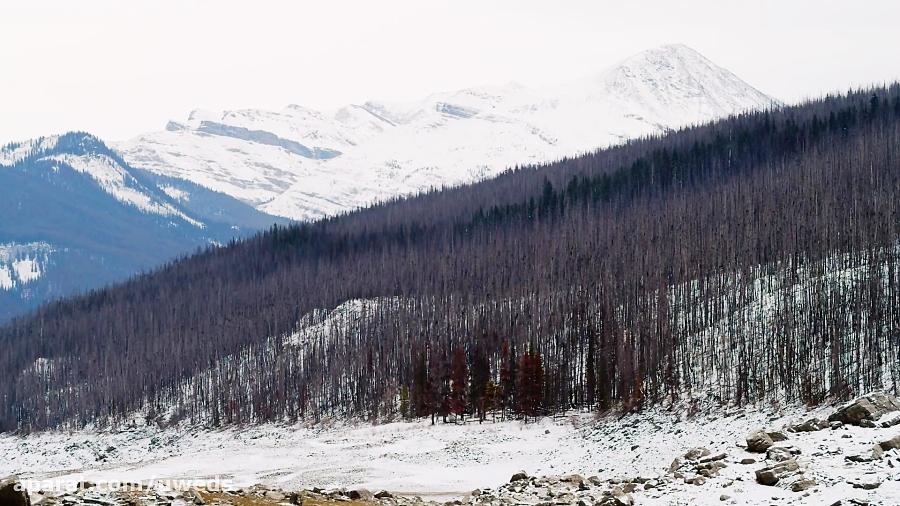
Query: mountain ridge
(76, 216)
(378, 150)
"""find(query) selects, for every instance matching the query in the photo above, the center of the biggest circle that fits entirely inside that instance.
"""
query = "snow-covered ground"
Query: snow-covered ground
(447, 460)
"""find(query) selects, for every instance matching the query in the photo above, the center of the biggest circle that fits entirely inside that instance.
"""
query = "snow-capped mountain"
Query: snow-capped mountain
(77, 216)
(304, 164)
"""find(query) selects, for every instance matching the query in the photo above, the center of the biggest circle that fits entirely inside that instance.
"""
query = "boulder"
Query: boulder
(868, 407)
(360, 494)
(777, 435)
(521, 475)
(867, 485)
(748, 461)
(621, 498)
(696, 453)
(782, 453)
(770, 475)
(759, 442)
(695, 480)
(890, 444)
(675, 465)
(12, 493)
(803, 484)
(576, 479)
(713, 458)
(811, 425)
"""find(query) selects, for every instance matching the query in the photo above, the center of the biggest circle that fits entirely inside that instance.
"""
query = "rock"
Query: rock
(777, 435)
(868, 407)
(621, 497)
(867, 485)
(748, 461)
(573, 478)
(696, 453)
(811, 425)
(675, 465)
(521, 475)
(781, 453)
(758, 442)
(724, 497)
(890, 423)
(890, 444)
(12, 493)
(803, 484)
(695, 480)
(771, 474)
(360, 494)
(875, 454)
(713, 458)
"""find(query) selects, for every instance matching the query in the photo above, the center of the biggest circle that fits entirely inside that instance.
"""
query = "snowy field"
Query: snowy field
(450, 460)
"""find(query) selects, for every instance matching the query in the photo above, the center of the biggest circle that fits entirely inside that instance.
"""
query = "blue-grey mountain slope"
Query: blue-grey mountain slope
(75, 216)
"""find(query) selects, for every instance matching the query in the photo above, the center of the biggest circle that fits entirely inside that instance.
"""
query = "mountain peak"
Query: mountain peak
(677, 84)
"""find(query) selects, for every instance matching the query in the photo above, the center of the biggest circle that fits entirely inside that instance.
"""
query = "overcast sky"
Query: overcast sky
(116, 68)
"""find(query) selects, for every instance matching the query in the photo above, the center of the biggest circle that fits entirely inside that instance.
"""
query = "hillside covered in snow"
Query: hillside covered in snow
(752, 259)
(304, 164)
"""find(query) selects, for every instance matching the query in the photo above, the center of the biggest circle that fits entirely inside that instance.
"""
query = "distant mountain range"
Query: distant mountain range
(304, 164)
(76, 216)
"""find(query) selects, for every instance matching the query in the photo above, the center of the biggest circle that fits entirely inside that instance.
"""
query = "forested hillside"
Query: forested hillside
(752, 259)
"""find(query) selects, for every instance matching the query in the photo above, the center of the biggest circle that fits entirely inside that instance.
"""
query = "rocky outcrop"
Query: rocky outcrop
(866, 409)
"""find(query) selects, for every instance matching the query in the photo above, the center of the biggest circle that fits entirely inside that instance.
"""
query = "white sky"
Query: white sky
(116, 68)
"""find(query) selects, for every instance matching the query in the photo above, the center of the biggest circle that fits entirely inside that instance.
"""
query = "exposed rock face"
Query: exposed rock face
(771, 474)
(11, 494)
(759, 442)
(867, 408)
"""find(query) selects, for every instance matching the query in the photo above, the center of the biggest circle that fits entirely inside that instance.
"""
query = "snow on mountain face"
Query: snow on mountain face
(116, 181)
(305, 164)
(75, 216)
(21, 264)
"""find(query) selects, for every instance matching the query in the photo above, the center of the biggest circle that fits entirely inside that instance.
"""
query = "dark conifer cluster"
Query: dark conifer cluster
(751, 259)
